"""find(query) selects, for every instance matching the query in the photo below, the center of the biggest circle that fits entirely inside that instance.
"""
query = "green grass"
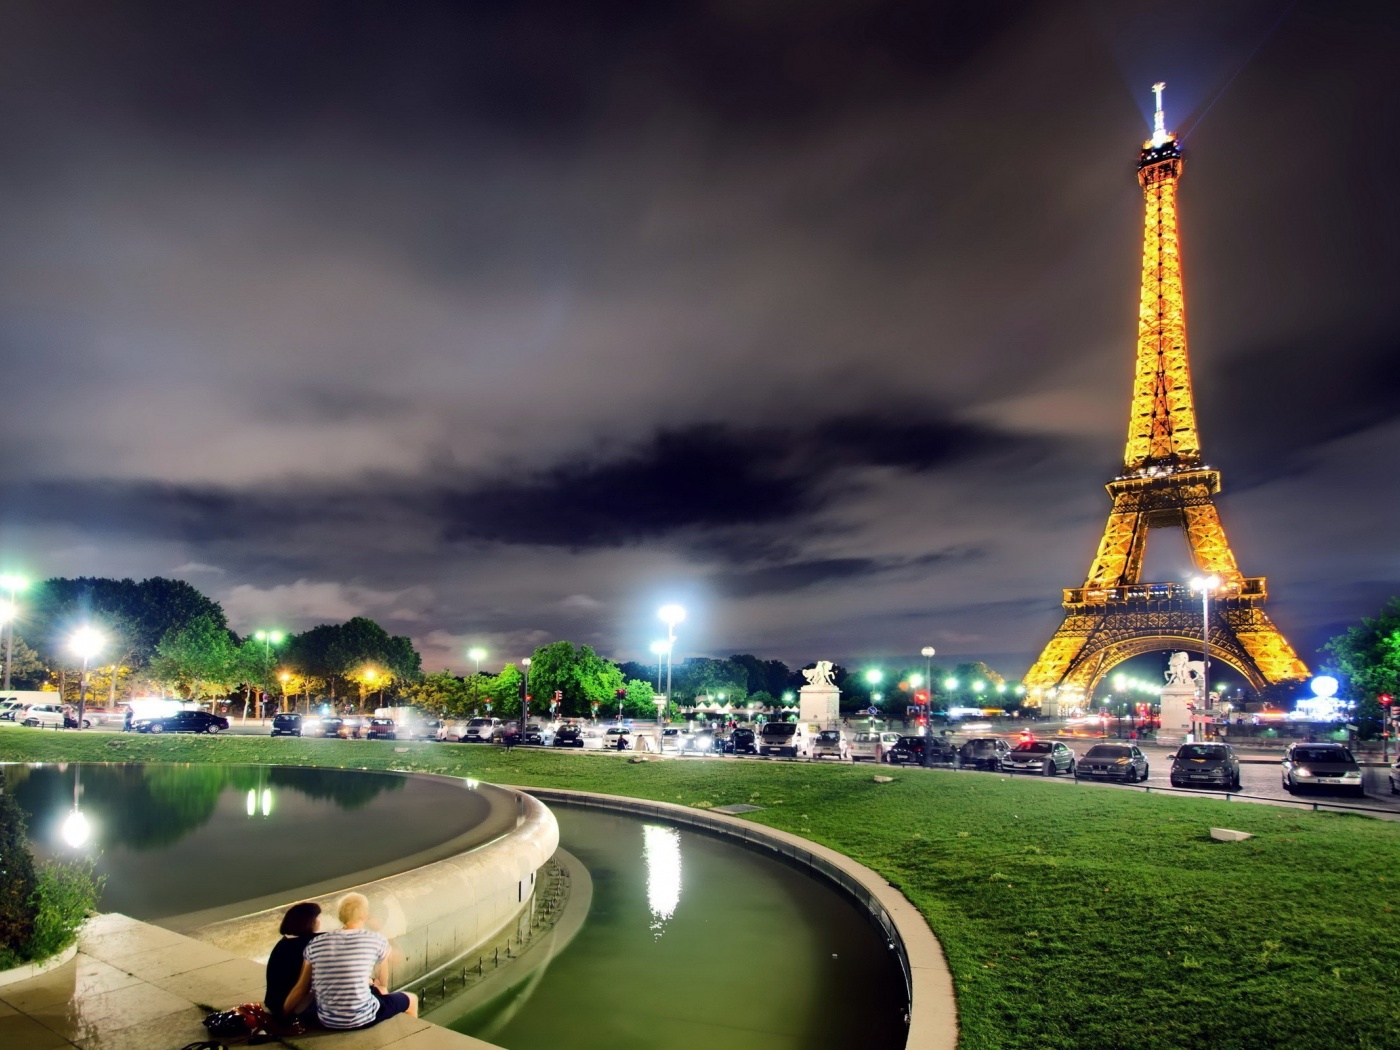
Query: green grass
(1072, 917)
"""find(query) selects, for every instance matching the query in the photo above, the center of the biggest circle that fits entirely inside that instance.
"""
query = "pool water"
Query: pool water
(174, 839)
(694, 943)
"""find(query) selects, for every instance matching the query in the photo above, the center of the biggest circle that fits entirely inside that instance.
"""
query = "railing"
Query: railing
(1252, 588)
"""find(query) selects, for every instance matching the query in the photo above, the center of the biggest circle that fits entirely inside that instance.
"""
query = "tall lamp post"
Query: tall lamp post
(670, 616)
(1205, 585)
(269, 639)
(85, 643)
(659, 648)
(476, 655)
(13, 585)
(525, 698)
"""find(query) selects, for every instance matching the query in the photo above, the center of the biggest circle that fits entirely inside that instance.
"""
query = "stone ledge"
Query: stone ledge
(24, 971)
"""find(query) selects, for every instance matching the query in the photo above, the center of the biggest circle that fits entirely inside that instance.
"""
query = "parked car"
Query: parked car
(613, 734)
(983, 752)
(744, 740)
(1394, 774)
(330, 725)
(382, 729)
(1047, 757)
(352, 727)
(569, 736)
(1206, 765)
(540, 734)
(482, 731)
(1322, 765)
(794, 739)
(1124, 762)
(832, 743)
(910, 750)
(10, 708)
(286, 725)
(700, 742)
(182, 722)
(49, 716)
(452, 730)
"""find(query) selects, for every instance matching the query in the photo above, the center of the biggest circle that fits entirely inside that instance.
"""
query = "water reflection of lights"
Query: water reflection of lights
(261, 802)
(661, 849)
(76, 830)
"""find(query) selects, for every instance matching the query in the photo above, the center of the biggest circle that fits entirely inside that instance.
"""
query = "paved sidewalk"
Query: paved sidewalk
(134, 986)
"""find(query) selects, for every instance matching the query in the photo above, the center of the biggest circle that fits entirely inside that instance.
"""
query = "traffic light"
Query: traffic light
(921, 697)
(1386, 699)
(621, 694)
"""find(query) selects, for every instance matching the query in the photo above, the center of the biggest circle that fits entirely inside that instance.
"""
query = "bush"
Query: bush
(64, 897)
(17, 879)
(40, 913)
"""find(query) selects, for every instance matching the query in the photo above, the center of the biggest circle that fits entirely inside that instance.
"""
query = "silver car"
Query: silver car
(1046, 757)
(1322, 765)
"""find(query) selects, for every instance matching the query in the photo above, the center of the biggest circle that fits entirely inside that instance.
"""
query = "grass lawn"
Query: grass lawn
(1071, 916)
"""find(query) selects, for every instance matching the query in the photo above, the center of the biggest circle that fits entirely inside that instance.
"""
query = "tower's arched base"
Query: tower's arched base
(1102, 628)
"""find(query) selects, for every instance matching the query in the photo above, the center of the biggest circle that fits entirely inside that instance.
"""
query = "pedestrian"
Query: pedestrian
(126, 721)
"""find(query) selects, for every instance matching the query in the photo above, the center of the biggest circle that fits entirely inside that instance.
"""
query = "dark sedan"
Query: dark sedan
(983, 752)
(1112, 762)
(1039, 756)
(569, 736)
(182, 722)
(1206, 765)
(744, 741)
(909, 750)
(331, 726)
(286, 725)
(1322, 765)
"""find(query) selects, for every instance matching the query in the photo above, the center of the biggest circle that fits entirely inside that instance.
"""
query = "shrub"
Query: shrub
(17, 879)
(64, 897)
(40, 913)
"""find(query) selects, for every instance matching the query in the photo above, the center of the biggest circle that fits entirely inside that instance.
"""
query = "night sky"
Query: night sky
(507, 322)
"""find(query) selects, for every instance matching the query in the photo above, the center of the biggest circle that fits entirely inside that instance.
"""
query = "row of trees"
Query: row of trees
(164, 636)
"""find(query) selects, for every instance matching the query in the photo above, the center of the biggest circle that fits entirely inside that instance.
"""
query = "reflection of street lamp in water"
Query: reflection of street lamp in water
(75, 828)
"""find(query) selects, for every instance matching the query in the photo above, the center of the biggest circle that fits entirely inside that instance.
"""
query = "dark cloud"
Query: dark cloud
(508, 304)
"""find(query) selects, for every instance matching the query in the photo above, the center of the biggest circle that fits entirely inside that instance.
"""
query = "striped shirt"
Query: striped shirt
(341, 964)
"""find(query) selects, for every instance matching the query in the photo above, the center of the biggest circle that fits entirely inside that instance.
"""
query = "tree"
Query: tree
(1367, 657)
(579, 673)
(639, 702)
(199, 659)
(27, 671)
(17, 879)
(441, 693)
(503, 690)
(342, 653)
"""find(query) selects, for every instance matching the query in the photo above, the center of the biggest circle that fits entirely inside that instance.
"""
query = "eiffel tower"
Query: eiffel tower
(1164, 484)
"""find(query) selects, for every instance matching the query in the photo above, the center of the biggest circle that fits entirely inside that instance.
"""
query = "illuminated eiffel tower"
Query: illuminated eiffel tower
(1164, 484)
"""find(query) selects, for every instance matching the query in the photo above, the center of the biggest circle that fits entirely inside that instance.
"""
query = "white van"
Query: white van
(794, 739)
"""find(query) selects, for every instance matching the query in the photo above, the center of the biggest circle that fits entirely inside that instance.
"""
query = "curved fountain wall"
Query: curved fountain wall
(435, 913)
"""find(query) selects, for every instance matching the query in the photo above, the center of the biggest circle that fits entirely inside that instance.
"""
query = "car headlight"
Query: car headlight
(1354, 774)
(1302, 771)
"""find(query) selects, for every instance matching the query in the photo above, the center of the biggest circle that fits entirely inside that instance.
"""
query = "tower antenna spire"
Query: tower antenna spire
(1159, 118)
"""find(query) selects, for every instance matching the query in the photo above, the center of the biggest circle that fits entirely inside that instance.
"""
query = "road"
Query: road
(1259, 773)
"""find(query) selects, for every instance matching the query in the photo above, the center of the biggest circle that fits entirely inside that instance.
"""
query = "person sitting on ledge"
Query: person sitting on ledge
(348, 969)
(285, 963)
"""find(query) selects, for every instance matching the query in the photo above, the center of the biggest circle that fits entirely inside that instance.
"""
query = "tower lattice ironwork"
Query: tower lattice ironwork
(1163, 484)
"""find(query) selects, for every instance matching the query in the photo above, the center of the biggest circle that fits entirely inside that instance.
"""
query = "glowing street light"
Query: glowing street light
(85, 644)
(915, 680)
(269, 639)
(950, 684)
(670, 615)
(12, 584)
(874, 676)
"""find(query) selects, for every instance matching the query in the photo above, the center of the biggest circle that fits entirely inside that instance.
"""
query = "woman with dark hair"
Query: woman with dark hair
(284, 964)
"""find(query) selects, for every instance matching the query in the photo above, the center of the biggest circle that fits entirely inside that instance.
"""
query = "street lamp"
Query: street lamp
(525, 698)
(1205, 585)
(85, 643)
(659, 648)
(269, 639)
(670, 616)
(12, 584)
(874, 676)
(476, 656)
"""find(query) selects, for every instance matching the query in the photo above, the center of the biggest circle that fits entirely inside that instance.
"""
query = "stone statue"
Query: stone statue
(1182, 670)
(821, 674)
